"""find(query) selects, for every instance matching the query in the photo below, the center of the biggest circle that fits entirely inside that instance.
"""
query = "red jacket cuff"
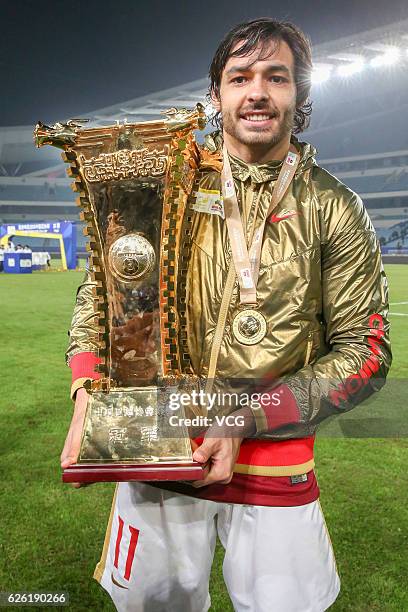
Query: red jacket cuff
(278, 408)
(83, 366)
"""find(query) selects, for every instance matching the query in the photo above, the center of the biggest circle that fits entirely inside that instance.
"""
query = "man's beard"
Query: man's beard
(259, 138)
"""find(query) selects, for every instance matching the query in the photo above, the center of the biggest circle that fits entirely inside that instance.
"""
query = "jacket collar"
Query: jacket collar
(259, 173)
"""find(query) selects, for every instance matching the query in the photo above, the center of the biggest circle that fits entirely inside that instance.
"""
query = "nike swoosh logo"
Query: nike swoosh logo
(275, 218)
(118, 583)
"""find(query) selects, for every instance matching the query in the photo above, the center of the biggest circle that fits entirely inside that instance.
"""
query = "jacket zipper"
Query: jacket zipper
(308, 348)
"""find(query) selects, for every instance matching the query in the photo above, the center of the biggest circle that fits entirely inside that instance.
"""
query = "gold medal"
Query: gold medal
(249, 326)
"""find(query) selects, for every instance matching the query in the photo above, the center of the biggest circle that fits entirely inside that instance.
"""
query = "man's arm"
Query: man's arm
(83, 336)
(80, 356)
(355, 309)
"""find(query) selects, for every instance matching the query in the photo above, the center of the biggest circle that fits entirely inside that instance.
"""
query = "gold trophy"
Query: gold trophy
(134, 181)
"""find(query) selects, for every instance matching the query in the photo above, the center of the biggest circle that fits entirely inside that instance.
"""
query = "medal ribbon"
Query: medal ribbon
(246, 261)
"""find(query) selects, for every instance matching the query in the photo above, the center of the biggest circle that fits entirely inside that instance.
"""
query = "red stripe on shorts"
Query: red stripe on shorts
(131, 552)
(118, 541)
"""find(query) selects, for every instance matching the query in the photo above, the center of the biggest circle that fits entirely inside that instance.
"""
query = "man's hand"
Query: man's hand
(72, 444)
(221, 454)
(221, 446)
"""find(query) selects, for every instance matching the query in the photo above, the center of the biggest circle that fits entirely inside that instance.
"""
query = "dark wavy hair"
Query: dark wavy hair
(259, 33)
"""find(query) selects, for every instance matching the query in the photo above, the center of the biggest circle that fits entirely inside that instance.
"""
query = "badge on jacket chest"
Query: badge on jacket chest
(249, 326)
(209, 201)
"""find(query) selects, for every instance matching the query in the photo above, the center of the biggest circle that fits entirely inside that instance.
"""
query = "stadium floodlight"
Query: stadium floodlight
(321, 73)
(351, 68)
(389, 57)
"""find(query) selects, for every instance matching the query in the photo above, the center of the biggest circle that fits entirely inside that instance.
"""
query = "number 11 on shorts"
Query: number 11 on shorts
(134, 536)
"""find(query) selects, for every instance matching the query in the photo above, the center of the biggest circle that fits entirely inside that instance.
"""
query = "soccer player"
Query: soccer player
(285, 285)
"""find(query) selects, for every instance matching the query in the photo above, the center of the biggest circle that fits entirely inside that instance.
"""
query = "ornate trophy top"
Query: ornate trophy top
(64, 135)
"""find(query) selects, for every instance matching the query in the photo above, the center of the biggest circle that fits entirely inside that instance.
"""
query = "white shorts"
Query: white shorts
(159, 548)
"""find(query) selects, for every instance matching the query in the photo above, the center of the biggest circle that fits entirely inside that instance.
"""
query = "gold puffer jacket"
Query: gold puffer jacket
(322, 289)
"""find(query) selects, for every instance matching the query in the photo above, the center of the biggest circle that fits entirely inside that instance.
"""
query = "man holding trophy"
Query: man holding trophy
(269, 282)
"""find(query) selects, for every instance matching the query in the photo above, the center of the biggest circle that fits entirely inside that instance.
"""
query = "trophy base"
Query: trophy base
(132, 472)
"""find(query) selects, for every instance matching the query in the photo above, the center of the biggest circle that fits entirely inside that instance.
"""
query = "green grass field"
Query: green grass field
(51, 535)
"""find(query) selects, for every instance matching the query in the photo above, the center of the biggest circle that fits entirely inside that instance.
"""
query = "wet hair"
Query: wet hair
(259, 33)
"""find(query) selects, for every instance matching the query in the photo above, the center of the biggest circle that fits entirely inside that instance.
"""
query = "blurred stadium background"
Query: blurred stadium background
(360, 96)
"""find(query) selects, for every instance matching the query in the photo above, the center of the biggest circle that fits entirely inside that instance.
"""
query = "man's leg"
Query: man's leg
(159, 550)
(278, 559)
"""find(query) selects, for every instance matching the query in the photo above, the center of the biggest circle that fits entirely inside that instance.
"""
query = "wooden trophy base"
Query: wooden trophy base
(94, 472)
